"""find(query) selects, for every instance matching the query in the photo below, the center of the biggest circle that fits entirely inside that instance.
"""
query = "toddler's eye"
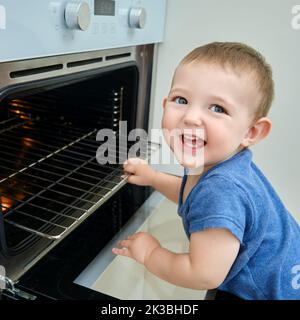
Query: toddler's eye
(218, 109)
(180, 100)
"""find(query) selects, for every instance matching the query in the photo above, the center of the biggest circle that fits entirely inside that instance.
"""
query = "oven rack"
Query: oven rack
(59, 182)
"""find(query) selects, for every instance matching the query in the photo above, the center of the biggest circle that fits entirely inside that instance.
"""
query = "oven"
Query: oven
(68, 70)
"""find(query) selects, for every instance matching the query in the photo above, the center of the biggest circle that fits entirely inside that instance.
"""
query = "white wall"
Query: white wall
(265, 25)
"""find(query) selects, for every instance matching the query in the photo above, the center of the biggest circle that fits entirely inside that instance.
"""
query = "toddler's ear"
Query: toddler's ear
(257, 132)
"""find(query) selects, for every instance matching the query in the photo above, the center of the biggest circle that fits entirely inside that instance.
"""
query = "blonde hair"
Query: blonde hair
(240, 57)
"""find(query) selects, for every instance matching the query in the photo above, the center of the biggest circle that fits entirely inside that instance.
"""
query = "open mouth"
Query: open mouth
(192, 142)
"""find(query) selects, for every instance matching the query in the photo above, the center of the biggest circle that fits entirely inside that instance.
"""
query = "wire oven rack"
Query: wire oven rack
(53, 181)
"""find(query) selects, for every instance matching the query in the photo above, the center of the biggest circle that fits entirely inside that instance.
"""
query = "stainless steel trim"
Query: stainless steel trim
(122, 55)
(144, 59)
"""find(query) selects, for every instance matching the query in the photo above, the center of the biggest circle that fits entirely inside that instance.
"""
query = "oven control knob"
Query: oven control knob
(137, 18)
(77, 15)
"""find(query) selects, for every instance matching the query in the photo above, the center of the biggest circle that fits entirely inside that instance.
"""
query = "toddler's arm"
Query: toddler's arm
(211, 255)
(142, 174)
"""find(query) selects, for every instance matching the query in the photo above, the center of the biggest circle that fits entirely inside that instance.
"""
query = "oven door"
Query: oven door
(66, 272)
(59, 206)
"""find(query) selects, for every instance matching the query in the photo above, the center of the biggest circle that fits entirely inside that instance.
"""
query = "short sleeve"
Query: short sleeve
(218, 203)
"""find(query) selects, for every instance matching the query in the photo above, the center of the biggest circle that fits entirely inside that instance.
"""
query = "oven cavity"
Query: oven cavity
(50, 180)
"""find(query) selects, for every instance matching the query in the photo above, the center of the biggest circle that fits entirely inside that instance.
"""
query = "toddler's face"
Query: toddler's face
(208, 113)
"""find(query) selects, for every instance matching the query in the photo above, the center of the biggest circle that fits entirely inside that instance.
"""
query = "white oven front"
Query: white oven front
(31, 29)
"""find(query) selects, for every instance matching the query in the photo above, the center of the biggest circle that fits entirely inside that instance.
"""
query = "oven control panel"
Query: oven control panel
(31, 29)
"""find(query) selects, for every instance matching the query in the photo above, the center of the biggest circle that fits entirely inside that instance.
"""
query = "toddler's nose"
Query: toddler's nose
(192, 117)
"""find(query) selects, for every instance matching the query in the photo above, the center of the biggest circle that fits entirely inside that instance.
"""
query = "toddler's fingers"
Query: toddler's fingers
(122, 252)
(130, 161)
(124, 243)
(133, 179)
(134, 161)
(129, 168)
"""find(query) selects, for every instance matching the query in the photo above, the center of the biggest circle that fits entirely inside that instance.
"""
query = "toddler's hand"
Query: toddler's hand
(140, 172)
(138, 246)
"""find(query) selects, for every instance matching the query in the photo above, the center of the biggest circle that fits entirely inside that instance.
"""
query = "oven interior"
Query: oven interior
(49, 177)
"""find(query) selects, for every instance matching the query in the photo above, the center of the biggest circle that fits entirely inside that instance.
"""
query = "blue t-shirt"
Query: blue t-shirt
(235, 195)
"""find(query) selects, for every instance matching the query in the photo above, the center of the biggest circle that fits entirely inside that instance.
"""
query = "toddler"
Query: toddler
(242, 240)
